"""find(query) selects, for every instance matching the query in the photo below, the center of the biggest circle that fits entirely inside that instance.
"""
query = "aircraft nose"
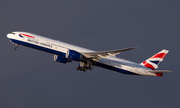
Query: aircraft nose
(10, 35)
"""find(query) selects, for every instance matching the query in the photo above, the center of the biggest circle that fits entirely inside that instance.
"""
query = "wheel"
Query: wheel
(16, 48)
(81, 69)
(78, 68)
(84, 69)
(91, 68)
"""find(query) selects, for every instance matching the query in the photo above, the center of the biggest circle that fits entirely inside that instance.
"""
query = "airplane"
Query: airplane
(65, 53)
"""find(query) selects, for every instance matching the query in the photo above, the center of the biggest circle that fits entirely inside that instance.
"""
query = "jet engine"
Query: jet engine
(61, 59)
(74, 55)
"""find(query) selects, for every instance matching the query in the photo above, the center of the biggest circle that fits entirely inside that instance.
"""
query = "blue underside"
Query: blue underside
(63, 54)
(113, 68)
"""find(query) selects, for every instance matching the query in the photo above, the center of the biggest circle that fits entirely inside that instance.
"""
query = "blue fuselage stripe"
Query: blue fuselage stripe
(113, 68)
(38, 47)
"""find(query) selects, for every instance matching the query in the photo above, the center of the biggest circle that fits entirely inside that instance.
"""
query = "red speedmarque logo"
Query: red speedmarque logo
(21, 35)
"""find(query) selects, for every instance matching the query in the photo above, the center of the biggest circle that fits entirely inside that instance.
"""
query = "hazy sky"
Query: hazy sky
(31, 79)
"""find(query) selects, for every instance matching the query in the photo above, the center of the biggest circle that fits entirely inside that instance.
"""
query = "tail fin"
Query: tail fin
(155, 60)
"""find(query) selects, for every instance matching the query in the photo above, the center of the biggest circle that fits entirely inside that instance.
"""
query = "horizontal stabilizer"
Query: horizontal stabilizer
(160, 71)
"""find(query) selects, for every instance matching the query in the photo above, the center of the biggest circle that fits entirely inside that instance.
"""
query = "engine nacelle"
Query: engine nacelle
(61, 59)
(74, 55)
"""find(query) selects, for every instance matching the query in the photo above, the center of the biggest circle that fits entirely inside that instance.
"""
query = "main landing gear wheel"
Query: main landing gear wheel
(81, 69)
(78, 68)
(84, 69)
(91, 68)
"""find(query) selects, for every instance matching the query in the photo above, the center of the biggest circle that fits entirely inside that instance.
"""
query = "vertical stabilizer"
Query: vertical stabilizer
(155, 60)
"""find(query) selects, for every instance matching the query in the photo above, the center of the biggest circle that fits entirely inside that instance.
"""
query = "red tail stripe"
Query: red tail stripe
(26, 35)
(160, 55)
(148, 65)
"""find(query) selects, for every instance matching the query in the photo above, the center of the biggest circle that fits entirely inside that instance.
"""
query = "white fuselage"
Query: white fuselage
(57, 47)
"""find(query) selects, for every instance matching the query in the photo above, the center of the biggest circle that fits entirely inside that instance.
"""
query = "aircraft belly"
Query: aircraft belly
(114, 68)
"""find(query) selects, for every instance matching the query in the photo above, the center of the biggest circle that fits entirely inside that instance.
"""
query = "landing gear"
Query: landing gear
(84, 65)
(84, 68)
(78, 68)
(16, 48)
(91, 68)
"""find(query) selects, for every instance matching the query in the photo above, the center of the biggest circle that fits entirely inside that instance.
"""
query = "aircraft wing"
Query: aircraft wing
(103, 54)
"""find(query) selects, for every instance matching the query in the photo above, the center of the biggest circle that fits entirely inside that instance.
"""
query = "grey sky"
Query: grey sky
(31, 79)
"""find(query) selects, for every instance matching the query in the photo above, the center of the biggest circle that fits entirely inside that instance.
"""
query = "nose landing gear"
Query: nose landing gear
(16, 48)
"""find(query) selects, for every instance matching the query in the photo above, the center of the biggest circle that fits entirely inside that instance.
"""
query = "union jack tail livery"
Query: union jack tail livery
(155, 60)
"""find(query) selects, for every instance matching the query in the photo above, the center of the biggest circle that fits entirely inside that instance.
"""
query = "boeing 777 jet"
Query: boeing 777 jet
(65, 53)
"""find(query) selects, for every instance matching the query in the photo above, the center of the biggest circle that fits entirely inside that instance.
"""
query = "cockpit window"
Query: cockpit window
(13, 33)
